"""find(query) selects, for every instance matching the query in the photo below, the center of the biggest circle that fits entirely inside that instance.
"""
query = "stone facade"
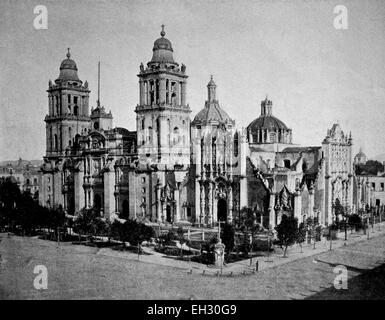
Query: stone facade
(172, 170)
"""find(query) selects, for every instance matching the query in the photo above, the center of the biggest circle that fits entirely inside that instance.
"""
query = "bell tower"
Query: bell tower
(163, 120)
(68, 109)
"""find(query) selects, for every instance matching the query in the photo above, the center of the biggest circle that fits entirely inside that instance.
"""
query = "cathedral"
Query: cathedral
(179, 169)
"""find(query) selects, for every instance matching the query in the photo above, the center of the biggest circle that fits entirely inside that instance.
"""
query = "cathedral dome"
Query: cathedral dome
(68, 69)
(360, 157)
(267, 128)
(267, 122)
(162, 50)
(212, 113)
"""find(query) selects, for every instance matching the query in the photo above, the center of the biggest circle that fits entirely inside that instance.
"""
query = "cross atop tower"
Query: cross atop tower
(68, 53)
(162, 33)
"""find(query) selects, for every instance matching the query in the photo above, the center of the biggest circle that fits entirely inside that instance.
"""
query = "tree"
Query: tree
(301, 234)
(249, 226)
(371, 167)
(227, 236)
(9, 197)
(312, 227)
(89, 222)
(132, 231)
(287, 232)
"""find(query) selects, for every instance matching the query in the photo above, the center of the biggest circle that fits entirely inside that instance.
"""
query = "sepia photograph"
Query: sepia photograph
(207, 150)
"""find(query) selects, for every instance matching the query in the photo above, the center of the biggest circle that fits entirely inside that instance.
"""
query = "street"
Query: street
(80, 272)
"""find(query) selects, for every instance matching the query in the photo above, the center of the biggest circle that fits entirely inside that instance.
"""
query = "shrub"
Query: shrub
(287, 232)
(227, 236)
(355, 221)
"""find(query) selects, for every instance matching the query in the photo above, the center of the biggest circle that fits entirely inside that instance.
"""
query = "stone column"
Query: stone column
(164, 211)
(215, 206)
(177, 206)
(91, 196)
(141, 92)
(183, 93)
(162, 90)
(359, 195)
(202, 204)
(210, 205)
(109, 188)
(311, 202)
(298, 205)
(197, 201)
(230, 205)
(178, 93)
(272, 223)
(169, 91)
(158, 205)
(78, 190)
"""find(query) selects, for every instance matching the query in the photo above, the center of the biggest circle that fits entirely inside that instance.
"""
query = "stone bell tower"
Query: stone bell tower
(162, 113)
(68, 109)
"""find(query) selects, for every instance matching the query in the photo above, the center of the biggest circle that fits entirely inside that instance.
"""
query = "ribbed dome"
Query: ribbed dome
(266, 122)
(162, 50)
(68, 69)
(360, 154)
(212, 112)
(162, 43)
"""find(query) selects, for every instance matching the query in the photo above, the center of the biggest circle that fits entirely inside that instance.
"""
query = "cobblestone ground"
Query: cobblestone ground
(79, 272)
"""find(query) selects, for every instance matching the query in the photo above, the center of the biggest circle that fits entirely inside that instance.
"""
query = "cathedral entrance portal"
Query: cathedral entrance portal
(125, 210)
(168, 214)
(97, 202)
(222, 210)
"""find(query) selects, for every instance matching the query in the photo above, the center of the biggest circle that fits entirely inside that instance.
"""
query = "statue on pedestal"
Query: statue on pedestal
(219, 253)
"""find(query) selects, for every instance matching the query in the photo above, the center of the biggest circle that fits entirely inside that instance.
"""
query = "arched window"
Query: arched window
(142, 126)
(236, 142)
(76, 110)
(176, 135)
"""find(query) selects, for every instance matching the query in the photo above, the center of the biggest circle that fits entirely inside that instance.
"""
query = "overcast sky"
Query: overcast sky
(289, 50)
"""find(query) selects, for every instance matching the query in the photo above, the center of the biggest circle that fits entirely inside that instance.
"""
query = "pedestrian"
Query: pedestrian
(256, 266)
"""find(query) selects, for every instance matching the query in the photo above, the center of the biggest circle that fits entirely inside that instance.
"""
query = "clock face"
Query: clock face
(96, 125)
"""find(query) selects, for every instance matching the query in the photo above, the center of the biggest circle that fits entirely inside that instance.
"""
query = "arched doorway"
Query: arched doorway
(168, 214)
(125, 210)
(71, 205)
(97, 202)
(222, 210)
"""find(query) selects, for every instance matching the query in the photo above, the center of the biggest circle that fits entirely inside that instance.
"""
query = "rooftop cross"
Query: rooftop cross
(162, 33)
(68, 53)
